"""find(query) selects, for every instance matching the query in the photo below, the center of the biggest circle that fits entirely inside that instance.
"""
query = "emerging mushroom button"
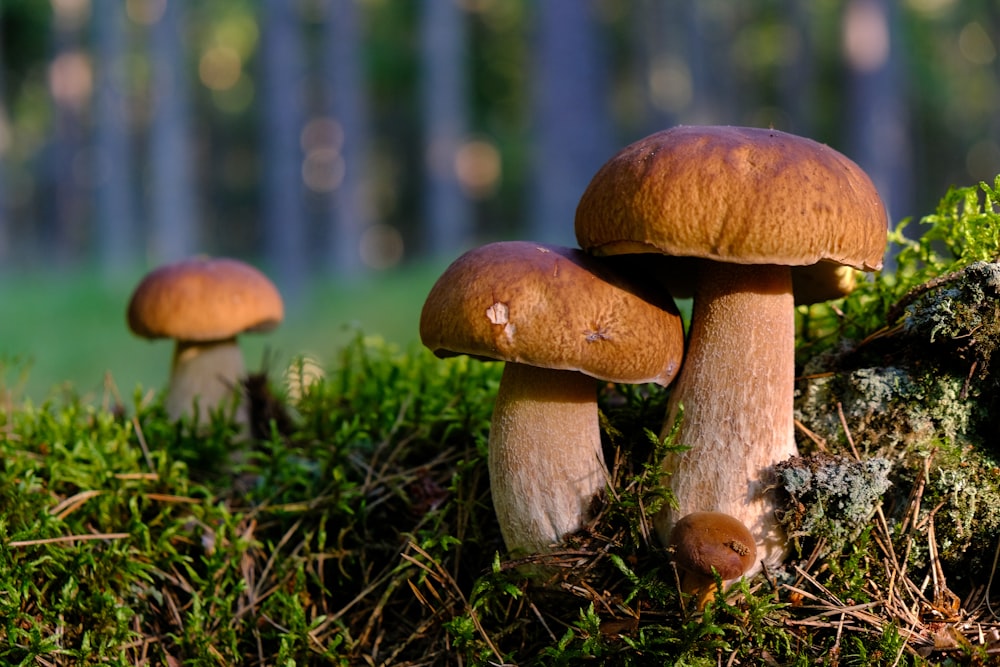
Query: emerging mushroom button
(744, 206)
(203, 304)
(705, 543)
(560, 319)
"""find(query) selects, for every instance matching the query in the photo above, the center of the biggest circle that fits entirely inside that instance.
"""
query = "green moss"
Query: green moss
(963, 230)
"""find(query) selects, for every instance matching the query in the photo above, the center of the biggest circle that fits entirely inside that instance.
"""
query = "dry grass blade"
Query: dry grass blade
(73, 503)
(436, 573)
(68, 538)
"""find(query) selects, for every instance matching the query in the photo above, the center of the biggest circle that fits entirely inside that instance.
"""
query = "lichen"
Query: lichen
(831, 497)
(885, 408)
(960, 500)
(963, 315)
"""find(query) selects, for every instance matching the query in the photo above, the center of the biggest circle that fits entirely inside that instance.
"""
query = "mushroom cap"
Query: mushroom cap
(738, 195)
(702, 541)
(552, 307)
(204, 299)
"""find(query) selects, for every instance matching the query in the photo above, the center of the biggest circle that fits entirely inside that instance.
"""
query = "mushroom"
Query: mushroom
(703, 544)
(203, 304)
(560, 319)
(742, 206)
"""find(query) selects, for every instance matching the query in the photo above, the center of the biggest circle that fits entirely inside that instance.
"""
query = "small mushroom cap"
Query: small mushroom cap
(204, 299)
(738, 195)
(552, 307)
(701, 541)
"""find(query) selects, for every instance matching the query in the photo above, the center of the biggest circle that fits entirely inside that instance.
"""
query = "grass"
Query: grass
(356, 527)
(68, 331)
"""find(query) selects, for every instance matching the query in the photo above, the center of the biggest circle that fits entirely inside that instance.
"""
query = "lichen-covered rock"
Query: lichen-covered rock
(886, 407)
(832, 497)
(923, 394)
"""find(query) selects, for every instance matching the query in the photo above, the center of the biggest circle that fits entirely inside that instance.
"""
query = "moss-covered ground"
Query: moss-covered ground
(356, 527)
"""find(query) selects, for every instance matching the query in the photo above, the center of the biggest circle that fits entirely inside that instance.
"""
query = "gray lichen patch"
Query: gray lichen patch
(832, 497)
(962, 314)
(886, 408)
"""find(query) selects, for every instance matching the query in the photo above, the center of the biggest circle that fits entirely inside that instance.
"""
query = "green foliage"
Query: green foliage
(907, 375)
(964, 229)
(913, 380)
(112, 548)
(37, 361)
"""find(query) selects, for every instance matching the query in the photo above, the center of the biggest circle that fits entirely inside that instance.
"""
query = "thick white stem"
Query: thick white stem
(736, 388)
(545, 461)
(209, 373)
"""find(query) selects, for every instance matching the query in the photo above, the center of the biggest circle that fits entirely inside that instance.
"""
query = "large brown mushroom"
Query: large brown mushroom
(203, 304)
(743, 206)
(559, 318)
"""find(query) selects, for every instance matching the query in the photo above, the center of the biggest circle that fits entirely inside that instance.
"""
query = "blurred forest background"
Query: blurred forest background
(339, 143)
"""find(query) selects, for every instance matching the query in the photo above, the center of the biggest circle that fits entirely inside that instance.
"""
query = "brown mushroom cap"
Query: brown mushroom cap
(736, 195)
(702, 541)
(551, 307)
(204, 299)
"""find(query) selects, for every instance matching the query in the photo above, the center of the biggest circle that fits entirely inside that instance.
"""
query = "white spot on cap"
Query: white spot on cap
(498, 313)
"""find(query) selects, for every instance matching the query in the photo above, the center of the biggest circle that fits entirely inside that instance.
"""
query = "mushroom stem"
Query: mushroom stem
(736, 388)
(545, 460)
(702, 587)
(209, 373)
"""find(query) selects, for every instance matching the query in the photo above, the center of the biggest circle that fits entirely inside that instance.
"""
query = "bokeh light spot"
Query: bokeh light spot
(865, 36)
(975, 44)
(381, 246)
(478, 167)
(220, 67)
(71, 79)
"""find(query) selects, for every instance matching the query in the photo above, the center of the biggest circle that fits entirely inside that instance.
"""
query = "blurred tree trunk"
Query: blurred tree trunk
(351, 207)
(284, 221)
(5, 139)
(877, 123)
(112, 163)
(797, 87)
(70, 79)
(173, 213)
(663, 76)
(572, 136)
(447, 211)
(710, 29)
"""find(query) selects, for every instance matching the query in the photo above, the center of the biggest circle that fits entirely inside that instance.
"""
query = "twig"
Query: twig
(444, 577)
(818, 440)
(847, 431)
(142, 443)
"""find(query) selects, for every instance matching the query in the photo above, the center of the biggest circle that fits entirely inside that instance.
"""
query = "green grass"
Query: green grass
(69, 331)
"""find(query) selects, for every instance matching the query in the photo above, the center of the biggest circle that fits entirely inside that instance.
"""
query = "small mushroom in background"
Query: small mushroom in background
(203, 304)
(743, 214)
(705, 543)
(560, 319)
